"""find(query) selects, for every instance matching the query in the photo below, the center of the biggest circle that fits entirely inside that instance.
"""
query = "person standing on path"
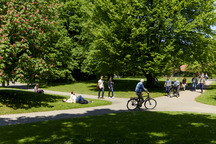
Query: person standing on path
(167, 85)
(202, 83)
(194, 83)
(101, 87)
(206, 76)
(176, 85)
(184, 83)
(110, 86)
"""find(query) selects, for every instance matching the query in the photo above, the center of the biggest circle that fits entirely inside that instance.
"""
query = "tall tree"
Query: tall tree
(149, 36)
(27, 35)
(73, 22)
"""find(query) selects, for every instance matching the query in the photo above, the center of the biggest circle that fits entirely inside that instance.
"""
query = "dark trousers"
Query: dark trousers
(167, 89)
(194, 86)
(201, 87)
(79, 98)
(102, 89)
(110, 89)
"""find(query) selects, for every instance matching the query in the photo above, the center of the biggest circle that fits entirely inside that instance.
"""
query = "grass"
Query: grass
(20, 101)
(124, 128)
(123, 88)
(209, 97)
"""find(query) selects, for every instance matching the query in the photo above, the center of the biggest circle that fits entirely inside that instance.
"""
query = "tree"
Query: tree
(149, 36)
(73, 24)
(27, 38)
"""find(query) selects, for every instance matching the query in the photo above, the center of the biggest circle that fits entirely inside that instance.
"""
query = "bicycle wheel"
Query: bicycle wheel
(150, 103)
(132, 104)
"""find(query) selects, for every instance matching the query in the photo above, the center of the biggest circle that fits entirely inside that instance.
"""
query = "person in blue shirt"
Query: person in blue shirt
(110, 86)
(139, 88)
(177, 86)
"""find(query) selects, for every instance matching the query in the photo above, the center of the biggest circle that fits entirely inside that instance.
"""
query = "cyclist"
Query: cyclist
(139, 88)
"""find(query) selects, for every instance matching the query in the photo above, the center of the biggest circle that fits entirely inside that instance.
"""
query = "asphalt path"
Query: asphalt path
(185, 103)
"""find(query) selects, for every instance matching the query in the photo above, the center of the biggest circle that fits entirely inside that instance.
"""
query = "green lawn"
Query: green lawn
(20, 101)
(123, 88)
(123, 128)
(209, 97)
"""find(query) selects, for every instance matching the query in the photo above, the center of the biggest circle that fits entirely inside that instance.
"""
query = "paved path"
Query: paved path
(186, 102)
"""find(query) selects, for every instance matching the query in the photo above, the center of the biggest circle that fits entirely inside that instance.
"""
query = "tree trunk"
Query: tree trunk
(150, 80)
(3, 84)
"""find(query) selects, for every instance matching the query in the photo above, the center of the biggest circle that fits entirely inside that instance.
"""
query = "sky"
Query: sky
(214, 27)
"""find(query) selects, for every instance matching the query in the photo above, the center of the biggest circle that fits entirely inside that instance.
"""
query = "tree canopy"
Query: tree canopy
(27, 38)
(151, 37)
(70, 39)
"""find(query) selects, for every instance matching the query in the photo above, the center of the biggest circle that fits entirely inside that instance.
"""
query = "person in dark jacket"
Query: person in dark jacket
(194, 83)
(110, 86)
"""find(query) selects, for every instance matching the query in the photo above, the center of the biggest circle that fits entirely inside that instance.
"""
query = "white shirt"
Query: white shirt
(100, 83)
(73, 97)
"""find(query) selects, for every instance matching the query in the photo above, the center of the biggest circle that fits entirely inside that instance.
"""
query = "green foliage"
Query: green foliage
(27, 39)
(73, 42)
(151, 37)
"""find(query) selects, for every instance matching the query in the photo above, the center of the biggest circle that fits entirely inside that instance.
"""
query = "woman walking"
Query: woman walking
(110, 86)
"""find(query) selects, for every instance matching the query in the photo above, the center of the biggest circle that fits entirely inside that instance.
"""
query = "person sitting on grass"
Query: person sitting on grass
(38, 90)
(74, 99)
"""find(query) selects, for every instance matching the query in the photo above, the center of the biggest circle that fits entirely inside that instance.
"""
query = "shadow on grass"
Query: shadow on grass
(25, 100)
(127, 127)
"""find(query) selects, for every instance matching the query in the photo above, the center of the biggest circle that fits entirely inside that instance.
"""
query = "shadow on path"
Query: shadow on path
(26, 119)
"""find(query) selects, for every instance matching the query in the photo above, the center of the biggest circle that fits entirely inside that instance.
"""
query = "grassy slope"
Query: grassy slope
(19, 101)
(209, 97)
(128, 128)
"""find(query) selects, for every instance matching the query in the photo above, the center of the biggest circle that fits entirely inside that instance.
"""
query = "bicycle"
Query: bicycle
(149, 103)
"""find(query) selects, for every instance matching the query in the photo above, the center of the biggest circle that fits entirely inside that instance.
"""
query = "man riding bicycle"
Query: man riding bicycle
(138, 90)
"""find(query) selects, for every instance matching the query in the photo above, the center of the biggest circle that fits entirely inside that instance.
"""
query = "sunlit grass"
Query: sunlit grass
(123, 87)
(19, 101)
(209, 97)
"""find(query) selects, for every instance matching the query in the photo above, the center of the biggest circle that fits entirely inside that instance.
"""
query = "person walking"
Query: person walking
(184, 83)
(194, 83)
(206, 76)
(167, 85)
(176, 85)
(203, 75)
(101, 87)
(110, 86)
(202, 83)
